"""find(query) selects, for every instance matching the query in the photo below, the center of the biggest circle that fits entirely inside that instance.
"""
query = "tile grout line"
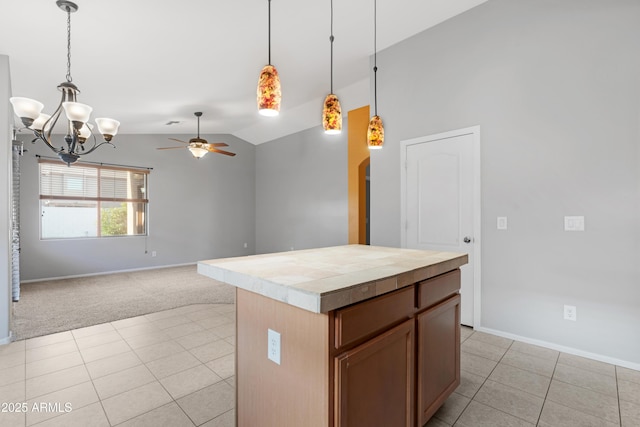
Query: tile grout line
(25, 380)
(548, 388)
(90, 378)
(615, 368)
(158, 380)
(84, 362)
(486, 379)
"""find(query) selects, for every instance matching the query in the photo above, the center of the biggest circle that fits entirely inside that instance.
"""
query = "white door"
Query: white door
(440, 213)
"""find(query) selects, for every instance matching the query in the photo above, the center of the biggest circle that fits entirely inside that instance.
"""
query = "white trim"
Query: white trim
(477, 205)
(157, 267)
(7, 340)
(570, 350)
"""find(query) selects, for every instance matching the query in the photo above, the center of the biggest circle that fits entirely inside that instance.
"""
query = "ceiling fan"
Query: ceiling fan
(200, 147)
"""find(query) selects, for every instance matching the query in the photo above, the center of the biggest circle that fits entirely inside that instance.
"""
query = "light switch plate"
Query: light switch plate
(573, 223)
(502, 223)
(273, 346)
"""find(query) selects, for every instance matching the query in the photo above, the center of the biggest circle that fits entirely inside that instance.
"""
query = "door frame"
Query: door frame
(476, 203)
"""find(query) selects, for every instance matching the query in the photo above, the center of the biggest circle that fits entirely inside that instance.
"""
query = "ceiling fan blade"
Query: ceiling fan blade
(168, 148)
(173, 139)
(226, 153)
(218, 144)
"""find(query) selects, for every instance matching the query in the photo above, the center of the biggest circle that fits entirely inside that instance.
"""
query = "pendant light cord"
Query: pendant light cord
(375, 58)
(269, 26)
(69, 79)
(331, 39)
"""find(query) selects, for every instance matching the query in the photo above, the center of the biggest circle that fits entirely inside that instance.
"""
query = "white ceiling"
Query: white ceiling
(146, 62)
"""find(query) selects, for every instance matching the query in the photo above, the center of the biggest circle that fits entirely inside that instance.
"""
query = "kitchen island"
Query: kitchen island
(344, 336)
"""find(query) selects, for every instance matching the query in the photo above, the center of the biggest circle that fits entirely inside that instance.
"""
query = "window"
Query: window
(84, 200)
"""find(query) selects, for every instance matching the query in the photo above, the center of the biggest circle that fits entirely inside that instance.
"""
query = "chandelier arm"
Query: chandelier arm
(93, 147)
(99, 145)
(45, 136)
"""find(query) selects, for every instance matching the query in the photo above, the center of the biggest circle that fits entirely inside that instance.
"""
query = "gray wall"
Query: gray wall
(555, 87)
(198, 209)
(5, 200)
(301, 191)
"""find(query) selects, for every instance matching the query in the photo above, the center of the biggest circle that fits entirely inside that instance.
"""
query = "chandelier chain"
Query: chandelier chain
(69, 79)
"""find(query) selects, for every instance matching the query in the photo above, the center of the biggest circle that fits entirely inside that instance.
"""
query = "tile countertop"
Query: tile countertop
(321, 280)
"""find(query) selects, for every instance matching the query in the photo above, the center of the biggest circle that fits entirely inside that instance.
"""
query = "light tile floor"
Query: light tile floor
(510, 383)
(176, 368)
(172, 368)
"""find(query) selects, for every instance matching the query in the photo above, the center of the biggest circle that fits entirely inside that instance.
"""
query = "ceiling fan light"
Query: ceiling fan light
(38, 124)
(332, 115)
(198, 152)
(108, 127)
(375, 133)
(26, 108)
(269, 93)
(77, 112)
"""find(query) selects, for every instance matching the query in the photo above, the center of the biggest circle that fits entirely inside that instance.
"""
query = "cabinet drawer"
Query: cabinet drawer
(438, 288)
(366, 318)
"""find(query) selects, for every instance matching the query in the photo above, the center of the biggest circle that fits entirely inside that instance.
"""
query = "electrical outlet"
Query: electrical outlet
(570, 312)
(153, 253)
(245, 245)
(273, 346)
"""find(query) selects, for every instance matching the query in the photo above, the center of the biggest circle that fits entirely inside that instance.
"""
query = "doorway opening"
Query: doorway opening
(359, 173)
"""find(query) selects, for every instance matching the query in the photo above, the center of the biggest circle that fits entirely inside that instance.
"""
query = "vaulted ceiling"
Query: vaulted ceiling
(148, 62)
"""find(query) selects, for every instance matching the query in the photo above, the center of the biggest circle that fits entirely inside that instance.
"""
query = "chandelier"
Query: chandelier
(79, 130)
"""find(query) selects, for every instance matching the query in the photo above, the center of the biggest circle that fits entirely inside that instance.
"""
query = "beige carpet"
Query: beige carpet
(61, 305)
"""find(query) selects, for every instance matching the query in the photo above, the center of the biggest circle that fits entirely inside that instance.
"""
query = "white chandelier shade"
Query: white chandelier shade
(38, 124)
(26, 108)
(77, 113)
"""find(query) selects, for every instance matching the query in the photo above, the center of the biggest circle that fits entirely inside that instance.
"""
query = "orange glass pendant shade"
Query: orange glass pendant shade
(332, 115)
(375, 133)
(269, 93)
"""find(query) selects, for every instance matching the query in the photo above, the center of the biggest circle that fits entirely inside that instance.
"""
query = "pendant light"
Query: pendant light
(79, 130)
(375, 131)
(331, 112)
(269, 93)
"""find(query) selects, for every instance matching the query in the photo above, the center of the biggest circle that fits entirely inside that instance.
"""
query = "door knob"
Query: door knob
(467, 239)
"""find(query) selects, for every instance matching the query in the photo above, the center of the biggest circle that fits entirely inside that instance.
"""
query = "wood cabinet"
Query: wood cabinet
(390, 360)
(379, 369)
(438, 358)
(438, 342)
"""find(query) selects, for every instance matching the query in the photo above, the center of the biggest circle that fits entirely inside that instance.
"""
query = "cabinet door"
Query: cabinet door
(438, 356)
(374, 381)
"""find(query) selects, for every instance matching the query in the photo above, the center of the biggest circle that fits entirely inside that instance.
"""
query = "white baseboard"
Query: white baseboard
(156, 267)
(6, 340)
(611, 360)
